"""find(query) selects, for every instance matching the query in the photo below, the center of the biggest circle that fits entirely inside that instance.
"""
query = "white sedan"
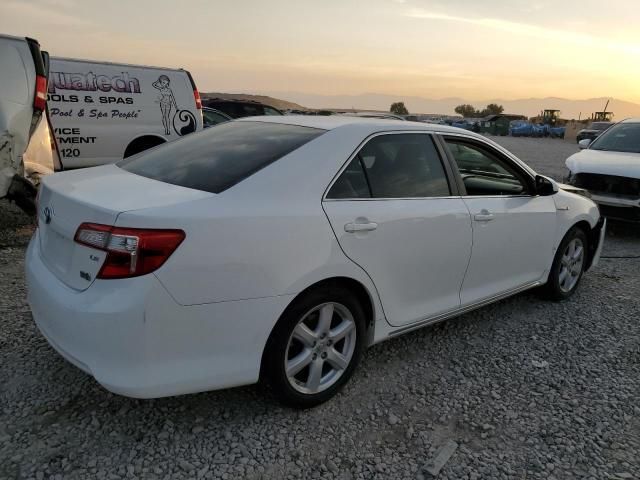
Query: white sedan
(279, 248)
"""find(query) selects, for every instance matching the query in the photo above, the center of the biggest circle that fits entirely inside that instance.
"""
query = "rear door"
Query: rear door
(395, 214)
(513, 228)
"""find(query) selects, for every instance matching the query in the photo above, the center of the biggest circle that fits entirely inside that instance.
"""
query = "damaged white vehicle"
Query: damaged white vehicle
(609, 168)
(26, 149)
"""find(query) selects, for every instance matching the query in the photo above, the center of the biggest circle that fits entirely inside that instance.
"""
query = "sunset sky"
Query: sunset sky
(431, 48)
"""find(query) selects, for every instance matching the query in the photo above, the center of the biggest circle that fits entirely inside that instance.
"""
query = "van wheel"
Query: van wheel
(141, 144)
(315, 347)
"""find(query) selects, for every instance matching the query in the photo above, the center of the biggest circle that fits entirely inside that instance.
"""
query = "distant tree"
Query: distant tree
(492, 109)
(399, 109)
(466, 110)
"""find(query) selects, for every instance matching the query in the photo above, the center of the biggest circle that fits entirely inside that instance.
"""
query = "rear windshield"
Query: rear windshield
(622, 137)
(221, 156)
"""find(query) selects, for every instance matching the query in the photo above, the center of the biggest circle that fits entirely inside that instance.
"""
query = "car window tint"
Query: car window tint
(352, 183)
(404, 166)
(218, 158)
(271, 111)
(484, 172)
(212, 118)
(249, 110)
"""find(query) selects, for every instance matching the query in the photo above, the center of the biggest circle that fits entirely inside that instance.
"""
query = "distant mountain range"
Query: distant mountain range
(373, 101)
(526, 106)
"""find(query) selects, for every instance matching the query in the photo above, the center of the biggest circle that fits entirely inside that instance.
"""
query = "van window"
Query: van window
(220, 157)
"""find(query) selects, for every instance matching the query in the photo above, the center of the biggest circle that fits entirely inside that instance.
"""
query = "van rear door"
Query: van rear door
(22, 108)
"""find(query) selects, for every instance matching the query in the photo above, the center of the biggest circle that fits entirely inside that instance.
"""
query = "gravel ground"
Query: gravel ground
(526, 388)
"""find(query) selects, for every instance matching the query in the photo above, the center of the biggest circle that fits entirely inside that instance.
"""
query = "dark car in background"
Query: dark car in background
(594, 130)
(240, 108)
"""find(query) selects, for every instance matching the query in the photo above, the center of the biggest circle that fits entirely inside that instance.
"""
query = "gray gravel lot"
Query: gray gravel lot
(526, 388)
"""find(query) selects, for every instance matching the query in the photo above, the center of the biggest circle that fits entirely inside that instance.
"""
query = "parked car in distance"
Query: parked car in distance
(240, 108)
(211, 117)
(557, 132)
(103, 112)
(27, 151)
(609, 168)
(281, 247)
(595, 129)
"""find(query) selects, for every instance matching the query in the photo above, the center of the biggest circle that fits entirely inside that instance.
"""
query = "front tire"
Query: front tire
(315, 347)
(568, 265)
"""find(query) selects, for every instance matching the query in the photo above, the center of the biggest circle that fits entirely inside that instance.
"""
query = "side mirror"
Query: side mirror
(545, 186)
(584, 143)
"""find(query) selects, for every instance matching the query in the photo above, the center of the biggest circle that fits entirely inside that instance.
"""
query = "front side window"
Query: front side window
(218, 158)
(484, 172)
(622, 137)
(394, 166)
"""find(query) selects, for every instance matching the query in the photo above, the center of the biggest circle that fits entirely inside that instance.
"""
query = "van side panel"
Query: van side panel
(98, 109)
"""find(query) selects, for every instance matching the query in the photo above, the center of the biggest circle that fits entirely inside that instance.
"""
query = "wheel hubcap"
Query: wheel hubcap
(320, 348)
(571, 265)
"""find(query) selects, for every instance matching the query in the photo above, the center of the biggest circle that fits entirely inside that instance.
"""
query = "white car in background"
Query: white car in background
(609, 168)
(279, 248)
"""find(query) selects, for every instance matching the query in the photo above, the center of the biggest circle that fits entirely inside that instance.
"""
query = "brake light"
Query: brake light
(196, 95)
(40, 100)
(131, 252)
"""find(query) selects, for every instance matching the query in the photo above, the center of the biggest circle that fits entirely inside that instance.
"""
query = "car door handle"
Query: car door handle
(360, 227)
(483, 216)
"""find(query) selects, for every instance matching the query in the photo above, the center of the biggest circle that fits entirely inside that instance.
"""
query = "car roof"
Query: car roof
(332, 122)
(630, 120)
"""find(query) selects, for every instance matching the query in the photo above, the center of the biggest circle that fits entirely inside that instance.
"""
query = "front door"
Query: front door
(394, 215)
(513, 228)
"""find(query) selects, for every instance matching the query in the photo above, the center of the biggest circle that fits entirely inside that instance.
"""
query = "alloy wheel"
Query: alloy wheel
(571, 265)
(320, 348)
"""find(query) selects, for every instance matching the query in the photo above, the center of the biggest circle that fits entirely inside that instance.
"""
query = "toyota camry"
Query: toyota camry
(279, 248)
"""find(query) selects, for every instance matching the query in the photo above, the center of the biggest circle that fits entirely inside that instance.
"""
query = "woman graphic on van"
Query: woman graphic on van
(167, 101)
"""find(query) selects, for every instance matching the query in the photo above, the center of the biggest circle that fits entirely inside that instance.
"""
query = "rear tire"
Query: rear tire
(315, 347)
(568, 266)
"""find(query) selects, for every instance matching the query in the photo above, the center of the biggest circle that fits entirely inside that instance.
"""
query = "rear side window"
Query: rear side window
(221, 156)
(394, 166)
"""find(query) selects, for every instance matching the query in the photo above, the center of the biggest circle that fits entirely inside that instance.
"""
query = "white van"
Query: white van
(103, 112)
(27, 150)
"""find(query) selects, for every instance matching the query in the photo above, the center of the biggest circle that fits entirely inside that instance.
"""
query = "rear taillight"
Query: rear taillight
(40, 100)
(196, 96)
(130, 251)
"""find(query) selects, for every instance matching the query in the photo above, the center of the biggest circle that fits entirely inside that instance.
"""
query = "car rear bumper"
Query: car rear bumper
(135, 340)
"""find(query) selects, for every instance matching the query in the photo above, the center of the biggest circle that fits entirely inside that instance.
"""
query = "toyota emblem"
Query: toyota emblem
(48, 213)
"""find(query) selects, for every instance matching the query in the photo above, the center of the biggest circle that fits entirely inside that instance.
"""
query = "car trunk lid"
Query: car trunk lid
(96, 195)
